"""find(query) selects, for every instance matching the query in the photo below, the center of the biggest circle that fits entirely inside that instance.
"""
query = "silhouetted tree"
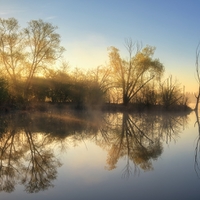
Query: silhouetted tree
(198, 78)
(171, 93)
(60, 87)
(39, 89)
(133, 74)
(27, 52)
(42, 45)
(4, 92)
(101, 78)
(12, 55)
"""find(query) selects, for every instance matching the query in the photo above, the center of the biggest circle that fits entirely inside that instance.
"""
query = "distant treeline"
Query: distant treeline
(84, 92)
(31, 73)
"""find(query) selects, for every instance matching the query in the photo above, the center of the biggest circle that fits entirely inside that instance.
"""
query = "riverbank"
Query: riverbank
(109, 107)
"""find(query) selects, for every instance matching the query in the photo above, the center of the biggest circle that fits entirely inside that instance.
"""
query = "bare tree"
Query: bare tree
(171, 93)
(198, 78)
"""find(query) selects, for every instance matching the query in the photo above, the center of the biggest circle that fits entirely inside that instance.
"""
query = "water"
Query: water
(62, 155)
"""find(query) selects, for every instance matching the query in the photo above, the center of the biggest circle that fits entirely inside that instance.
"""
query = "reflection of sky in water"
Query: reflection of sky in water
(83, 174)
(173, 176)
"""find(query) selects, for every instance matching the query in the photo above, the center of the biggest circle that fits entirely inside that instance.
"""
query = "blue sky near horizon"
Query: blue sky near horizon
(89, 27)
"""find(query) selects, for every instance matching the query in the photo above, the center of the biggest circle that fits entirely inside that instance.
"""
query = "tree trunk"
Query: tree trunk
(197, 101)
(125, 100)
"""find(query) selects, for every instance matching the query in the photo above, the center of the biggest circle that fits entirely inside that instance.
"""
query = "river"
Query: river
(94, 155)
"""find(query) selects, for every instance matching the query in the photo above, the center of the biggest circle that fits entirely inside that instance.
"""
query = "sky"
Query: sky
(88, 27)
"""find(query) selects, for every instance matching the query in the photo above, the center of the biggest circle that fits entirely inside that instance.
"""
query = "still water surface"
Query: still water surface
(62, 155)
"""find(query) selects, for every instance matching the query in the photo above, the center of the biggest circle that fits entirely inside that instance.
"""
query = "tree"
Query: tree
(60, 87)
(100, 79)
(39, 89)
(27, 52)
(171, 93)
(198, 79)
(133, 74)
(4, 92)
(43, 47)
(148, 95)
(11, 48)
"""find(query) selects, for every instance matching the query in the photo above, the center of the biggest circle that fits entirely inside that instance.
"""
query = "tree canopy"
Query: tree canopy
(25, 52)
(29, 71)
(133, 74)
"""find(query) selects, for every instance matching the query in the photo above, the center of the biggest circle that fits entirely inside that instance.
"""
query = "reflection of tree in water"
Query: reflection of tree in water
(25, 158)
(41, 164)
(10, 161)
(171, 125)
(26, 154)
(197, 148)
(139, 139)
(132, 142)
